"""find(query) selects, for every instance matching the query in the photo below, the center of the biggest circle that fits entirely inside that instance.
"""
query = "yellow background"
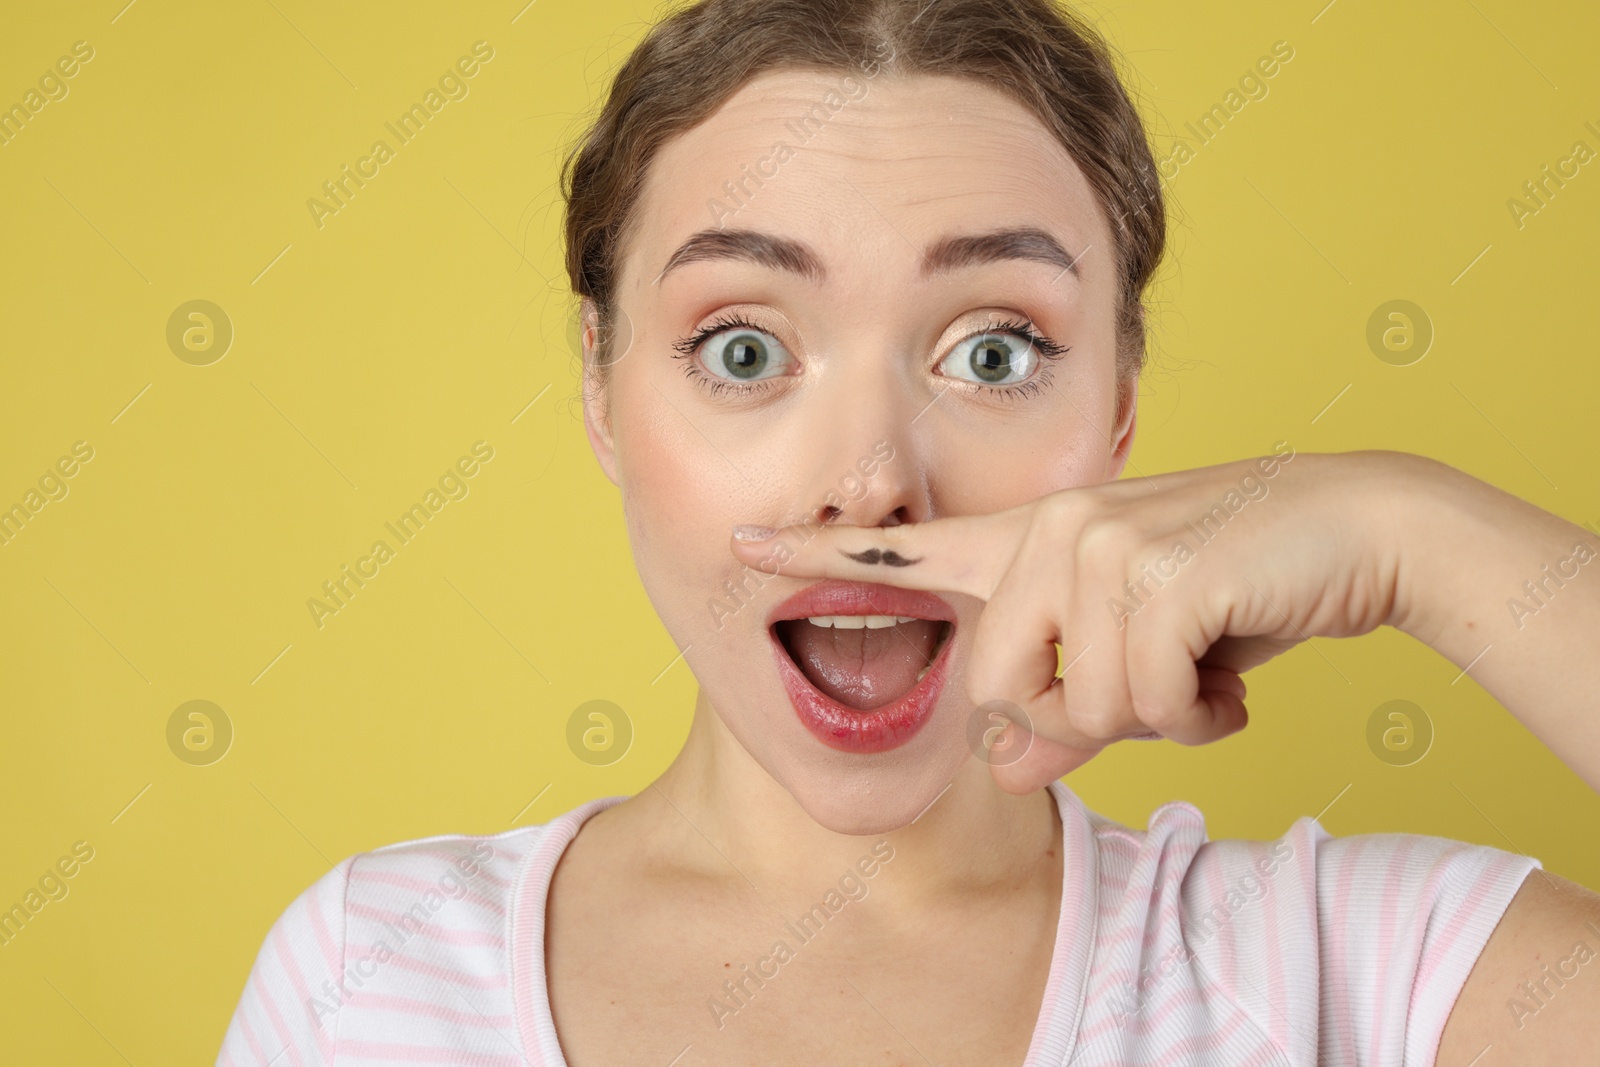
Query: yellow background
(370, 353)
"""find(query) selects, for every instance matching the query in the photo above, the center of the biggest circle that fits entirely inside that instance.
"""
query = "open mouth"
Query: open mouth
(863, 663)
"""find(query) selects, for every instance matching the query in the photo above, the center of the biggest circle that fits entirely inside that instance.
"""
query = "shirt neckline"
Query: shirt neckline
(1061, 1013)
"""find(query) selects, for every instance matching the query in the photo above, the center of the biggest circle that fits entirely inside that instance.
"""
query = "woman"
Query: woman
(862, 287)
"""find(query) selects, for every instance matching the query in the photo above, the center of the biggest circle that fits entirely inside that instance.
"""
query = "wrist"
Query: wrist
(1433, 532)
(1465, 551)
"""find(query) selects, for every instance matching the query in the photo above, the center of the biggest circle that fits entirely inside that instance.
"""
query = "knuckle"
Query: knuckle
(1107, 540)
(1096, 720)
(1057, 515)
(1160, 716)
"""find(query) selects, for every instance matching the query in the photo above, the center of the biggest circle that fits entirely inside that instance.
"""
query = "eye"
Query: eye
(743, 354)
(1004, 355)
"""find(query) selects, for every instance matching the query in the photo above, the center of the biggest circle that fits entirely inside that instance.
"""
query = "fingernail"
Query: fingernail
(752, 533)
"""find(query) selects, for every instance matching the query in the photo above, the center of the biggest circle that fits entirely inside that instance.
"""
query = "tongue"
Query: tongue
(862, 668)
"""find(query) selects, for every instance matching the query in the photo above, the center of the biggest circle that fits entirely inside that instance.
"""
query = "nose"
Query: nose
(868, 474)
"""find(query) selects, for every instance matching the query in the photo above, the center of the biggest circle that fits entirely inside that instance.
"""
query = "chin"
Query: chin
(858, 794)
(869, 801)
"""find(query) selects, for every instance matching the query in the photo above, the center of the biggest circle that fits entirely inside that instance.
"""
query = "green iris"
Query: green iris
(744, 355)
(992, 359)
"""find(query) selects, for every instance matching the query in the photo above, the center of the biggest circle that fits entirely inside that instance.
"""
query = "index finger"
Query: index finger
(960, 554)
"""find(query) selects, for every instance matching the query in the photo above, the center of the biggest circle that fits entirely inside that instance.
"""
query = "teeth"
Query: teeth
(878, 622)
(945, 631)
(856, 622)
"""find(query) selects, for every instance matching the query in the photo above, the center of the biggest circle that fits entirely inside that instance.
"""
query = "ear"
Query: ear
(596, 393)
(1127, 422)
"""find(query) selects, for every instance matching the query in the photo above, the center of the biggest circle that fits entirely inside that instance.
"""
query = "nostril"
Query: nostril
(830, 512)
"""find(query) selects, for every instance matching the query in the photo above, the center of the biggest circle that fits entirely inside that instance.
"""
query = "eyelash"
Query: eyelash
(1048, 349)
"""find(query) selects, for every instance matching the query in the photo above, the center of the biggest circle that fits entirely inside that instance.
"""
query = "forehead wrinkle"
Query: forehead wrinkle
(968, 102)
(1038, 178)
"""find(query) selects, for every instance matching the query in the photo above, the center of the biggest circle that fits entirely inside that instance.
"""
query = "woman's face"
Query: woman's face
(880, 372)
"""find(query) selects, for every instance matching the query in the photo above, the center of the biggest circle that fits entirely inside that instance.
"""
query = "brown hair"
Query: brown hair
(1041, 55)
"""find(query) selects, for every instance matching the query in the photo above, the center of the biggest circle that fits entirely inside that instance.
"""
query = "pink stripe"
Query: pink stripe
(1127, 930)
(1156, 934)
(1178, 1051)
(332, 955)
(1218, 889)
(1343, 941)
(423, 885)
(413, 1006)
(373, 1050)
(444, 852)
(433, 927)
(1163, 999)
(1277, 992)
(533, 998)
(1124, 974)
(1469, 908)
(1117, 870)
(1268, 1054)
(1472, 906)
(1113, 902)
(269, 1005)
(530, 997)
(1150, 1015)
(1311, 921)
(250, 1035)
(433, 970)
(493, 879)
(291, 967)
(1385, 905)
(1059, 1021)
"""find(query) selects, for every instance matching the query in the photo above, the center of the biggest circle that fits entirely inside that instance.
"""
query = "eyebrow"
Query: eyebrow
(1020, 242)
(942, 256)
(766, 250)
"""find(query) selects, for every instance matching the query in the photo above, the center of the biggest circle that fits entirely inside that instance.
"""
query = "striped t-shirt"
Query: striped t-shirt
(1170, 949)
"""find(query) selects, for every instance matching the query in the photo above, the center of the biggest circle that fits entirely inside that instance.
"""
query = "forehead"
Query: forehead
(867, 170)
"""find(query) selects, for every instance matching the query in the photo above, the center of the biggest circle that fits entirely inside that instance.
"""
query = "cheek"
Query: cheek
(1064, 443)
(980, 482)
(681, 497)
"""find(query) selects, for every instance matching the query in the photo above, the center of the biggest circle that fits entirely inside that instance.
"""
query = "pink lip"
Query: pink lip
(834, 724)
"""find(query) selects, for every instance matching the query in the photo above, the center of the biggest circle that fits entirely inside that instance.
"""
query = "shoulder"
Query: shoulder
(448, 866)
(435, 901)
(1351, 946)
(1526, 994)
(417, 878)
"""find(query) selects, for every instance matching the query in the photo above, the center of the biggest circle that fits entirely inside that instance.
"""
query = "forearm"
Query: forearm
(1509, 593)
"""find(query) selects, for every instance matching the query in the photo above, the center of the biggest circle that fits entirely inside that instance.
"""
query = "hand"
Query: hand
(1160, 591)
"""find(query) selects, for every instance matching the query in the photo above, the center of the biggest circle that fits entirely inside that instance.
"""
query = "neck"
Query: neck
(971, 838)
